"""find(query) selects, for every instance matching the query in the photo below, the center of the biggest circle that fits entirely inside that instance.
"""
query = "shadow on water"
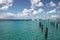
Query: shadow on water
(46, 33)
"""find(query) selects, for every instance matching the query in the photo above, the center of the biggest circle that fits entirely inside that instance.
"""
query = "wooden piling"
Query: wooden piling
(53, 24)
(56, 25)
(40, 24)
(42, 27)
(46, 33)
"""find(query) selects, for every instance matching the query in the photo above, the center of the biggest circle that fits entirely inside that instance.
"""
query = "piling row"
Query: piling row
(54, 24)
(46, 30)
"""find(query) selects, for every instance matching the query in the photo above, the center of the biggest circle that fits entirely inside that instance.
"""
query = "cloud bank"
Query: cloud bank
(5, 4)
(26, 13)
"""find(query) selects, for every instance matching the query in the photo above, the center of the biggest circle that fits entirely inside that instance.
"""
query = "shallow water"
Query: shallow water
(27, 30)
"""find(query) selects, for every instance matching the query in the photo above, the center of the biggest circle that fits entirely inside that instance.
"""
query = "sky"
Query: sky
(29, 9)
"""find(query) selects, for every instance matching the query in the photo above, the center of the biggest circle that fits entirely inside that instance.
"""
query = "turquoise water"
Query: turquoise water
(27, 30)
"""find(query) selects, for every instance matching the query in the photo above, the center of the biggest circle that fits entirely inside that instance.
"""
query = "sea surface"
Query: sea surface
(28, 30)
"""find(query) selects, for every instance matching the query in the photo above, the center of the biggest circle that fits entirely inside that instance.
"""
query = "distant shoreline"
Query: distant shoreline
(15, 19)
(22, 20)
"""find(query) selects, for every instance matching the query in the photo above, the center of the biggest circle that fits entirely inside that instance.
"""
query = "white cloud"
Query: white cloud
(7, 15)
(59, 3)
(32, 9)
(52, 4)
(9, 1)
(4, 7)
(24, 13)
(35, 12)
(21, 15)
(11, 15)
(57, 7)
(52, 11)
(5, 1)
(38, 12)
(40, 4)
(28, 13)
(36, 3)
(54, 16)
(5, 4)
(0, 1)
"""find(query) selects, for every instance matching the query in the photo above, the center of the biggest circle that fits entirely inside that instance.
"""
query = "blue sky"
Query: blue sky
(26, 9)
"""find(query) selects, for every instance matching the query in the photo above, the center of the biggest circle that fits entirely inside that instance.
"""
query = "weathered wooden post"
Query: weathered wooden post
(42, 27)
(53, 24)
(40, 24)
(56, 25)
(46, 33)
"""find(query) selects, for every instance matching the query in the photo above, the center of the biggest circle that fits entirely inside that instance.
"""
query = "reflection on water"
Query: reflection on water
(30, 30)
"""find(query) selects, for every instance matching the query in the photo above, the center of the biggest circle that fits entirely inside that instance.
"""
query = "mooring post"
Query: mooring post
(56, 25)
(42, 27)
(40, 24)
(53, 24)
(46, 33)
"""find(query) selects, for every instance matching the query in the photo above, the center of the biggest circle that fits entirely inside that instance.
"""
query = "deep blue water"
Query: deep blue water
(27, 30)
